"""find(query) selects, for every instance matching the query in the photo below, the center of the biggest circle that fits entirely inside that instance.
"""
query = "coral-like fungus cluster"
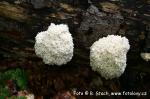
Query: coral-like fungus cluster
(54, 46)
(108, 56)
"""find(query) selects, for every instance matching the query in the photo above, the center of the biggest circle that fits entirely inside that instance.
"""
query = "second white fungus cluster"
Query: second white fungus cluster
(54, 46)
(145, 56)
(108, 56)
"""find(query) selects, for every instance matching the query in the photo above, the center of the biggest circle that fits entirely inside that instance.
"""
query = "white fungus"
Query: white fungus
(30, 96)
(108, 56)
(54, 46)
(145, 56)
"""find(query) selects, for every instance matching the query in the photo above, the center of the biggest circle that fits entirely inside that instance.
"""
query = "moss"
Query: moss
(17, 75)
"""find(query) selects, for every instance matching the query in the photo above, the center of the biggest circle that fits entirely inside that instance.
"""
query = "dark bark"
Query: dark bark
(21, 21)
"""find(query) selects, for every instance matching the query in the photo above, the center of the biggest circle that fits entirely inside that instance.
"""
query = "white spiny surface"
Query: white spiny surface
(54, 46)
(108, 56)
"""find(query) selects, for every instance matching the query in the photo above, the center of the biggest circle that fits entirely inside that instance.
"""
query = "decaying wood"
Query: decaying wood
(87, 23)
(14, 12)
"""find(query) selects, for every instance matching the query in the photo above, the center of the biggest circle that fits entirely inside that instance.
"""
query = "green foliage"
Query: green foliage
(18, 75)
(4, 92)
(21, 97)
